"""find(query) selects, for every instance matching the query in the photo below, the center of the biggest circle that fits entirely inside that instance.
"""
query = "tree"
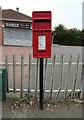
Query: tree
(59, 34)
(64, 36)
(82, 37)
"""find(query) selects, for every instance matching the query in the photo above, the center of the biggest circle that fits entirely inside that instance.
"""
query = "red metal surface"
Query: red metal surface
(41, 25)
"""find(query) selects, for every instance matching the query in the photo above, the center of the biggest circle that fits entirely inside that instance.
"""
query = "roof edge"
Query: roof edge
(16, 20)
(17, 12)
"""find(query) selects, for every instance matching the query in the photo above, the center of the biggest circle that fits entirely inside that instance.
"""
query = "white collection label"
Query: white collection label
(41, 42)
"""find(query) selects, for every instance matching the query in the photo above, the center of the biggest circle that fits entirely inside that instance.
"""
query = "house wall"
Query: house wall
(10, 50)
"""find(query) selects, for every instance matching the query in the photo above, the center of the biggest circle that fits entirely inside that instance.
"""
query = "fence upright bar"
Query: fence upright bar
(6, 66)
(29, 71)
(61, 77)
(14, 73)
(45, 75)
(75, 80)
(52, 78)
(22, 75)
(68, 77)
(82, 83)
(36, 89)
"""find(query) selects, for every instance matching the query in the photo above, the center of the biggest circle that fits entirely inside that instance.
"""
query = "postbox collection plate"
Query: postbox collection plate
(41, 42)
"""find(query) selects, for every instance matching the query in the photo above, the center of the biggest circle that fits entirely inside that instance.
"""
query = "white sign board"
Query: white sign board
(41, 42)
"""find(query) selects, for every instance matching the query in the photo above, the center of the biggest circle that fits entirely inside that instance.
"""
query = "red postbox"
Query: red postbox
(41, 34)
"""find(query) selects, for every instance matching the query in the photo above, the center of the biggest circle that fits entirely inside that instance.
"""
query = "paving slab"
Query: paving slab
(62, 110)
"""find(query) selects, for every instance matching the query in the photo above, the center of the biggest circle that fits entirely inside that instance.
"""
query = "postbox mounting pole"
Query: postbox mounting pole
(41, 84)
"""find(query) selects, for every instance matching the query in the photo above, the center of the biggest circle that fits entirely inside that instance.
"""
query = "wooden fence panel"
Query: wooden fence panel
(46, 81)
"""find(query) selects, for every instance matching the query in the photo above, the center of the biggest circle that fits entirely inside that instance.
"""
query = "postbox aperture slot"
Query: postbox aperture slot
(42, 20)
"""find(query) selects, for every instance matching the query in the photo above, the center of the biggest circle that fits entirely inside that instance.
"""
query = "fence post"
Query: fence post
(61, 68)
(6, 66)
(68, 77)
(22, 74)
(52, 78)
(29, 71)
(45, 75)
(82, 82)
(14, 73)
(74, 83)
(36, 89)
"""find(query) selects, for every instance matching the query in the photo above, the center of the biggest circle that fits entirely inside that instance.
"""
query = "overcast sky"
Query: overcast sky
(66, 12)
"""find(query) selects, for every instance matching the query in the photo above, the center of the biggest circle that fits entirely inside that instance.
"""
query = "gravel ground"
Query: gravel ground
(23, 108)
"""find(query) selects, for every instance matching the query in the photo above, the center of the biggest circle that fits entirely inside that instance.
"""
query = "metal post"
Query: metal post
(41, 83)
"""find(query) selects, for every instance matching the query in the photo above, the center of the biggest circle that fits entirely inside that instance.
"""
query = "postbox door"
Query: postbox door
(42, 44)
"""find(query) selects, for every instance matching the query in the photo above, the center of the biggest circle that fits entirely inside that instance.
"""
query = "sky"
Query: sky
(66, 12)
